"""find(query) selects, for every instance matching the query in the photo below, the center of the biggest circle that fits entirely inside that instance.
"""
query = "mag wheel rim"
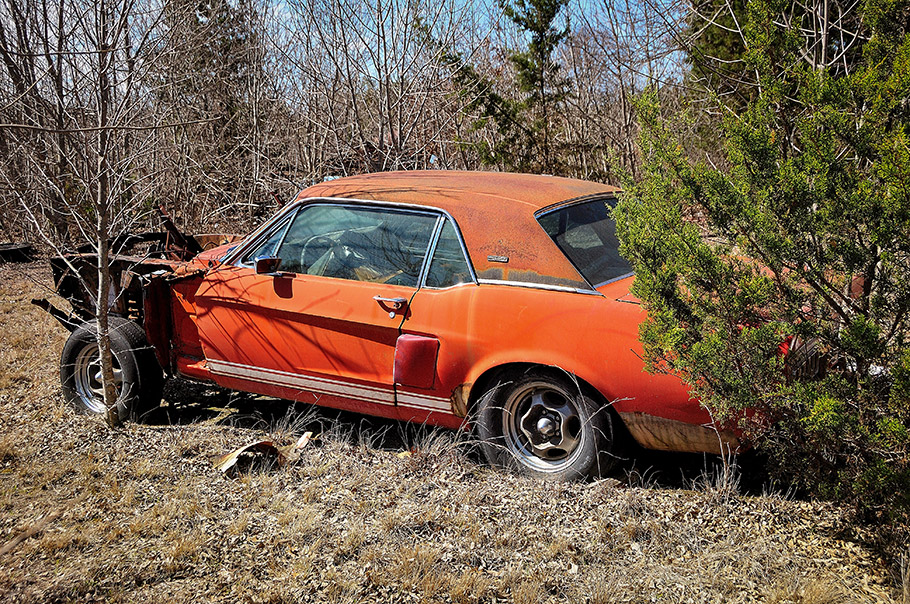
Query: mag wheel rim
(543, 427)
(88, 382)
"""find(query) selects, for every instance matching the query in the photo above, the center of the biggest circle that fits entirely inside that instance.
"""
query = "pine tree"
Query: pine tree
(526, 119)
(786, 302)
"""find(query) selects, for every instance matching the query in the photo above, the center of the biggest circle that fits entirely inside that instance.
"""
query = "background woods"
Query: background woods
(207, 108)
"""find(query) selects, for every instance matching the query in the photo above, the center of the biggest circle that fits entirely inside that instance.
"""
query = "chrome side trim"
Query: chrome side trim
(528, 285)
(384, 396)
(371, 394)
(426, 403)
(615, 279)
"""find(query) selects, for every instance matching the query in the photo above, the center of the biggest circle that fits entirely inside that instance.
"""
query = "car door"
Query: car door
(322, 327)
(436, 349)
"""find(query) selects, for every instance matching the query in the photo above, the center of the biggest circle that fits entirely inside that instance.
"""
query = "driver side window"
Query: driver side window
(357, 243)
(268, 246)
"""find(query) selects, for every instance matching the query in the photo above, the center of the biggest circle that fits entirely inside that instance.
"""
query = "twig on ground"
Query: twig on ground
(31, 531)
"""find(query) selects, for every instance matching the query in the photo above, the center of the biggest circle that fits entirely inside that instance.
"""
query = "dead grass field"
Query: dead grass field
(372, 512)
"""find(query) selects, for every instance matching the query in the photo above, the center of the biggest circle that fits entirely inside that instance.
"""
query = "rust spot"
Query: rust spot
(460, 399)
(663, 434)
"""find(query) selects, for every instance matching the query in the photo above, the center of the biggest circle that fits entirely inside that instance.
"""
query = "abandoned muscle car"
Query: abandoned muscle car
(496, 301)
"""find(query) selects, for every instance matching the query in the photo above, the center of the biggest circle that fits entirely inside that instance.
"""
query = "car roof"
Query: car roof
(495, 212)
(450, 189)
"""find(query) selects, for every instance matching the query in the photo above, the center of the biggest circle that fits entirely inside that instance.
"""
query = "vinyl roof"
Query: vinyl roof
(450, 188)
(494, 211)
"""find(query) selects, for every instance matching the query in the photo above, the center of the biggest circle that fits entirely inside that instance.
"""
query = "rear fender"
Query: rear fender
(478, 379)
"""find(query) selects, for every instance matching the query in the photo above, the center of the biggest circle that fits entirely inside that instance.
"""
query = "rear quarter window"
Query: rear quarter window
(586, 234)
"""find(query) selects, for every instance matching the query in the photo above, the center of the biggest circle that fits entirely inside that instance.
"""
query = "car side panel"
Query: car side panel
(593, 337)
(300, 337)
(443, 315)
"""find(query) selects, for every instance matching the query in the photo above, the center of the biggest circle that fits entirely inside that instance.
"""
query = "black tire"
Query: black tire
(140, 376)
(544, 424)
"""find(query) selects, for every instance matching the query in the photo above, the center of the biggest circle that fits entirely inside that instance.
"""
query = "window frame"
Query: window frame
(440, 226)
(263, 236)
(260, 235)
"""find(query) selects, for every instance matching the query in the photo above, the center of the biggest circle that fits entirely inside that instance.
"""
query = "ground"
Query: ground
(371, 512)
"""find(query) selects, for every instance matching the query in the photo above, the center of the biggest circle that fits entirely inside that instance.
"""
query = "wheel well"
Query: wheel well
(487, 378)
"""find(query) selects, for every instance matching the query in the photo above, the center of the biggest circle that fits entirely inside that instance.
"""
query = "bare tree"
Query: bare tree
(230, 146)
(368, 83)
(80, 128)
(620, 48)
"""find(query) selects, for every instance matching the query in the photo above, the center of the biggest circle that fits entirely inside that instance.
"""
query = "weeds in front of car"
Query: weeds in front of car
(720, 480)
(373, 511)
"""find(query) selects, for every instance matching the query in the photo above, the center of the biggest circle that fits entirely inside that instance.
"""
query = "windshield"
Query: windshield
(586, 233)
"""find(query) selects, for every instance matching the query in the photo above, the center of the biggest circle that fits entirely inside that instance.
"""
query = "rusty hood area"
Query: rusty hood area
(135, 258)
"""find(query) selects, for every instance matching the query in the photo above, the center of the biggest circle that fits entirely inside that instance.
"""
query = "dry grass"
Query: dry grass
(144, 517)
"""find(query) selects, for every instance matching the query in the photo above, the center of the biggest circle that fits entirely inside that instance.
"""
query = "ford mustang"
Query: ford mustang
(498, 302)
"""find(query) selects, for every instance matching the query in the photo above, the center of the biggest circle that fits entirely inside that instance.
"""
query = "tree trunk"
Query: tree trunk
(103, 209)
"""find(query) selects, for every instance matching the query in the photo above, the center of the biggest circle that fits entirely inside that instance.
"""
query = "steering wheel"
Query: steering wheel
(314, 249)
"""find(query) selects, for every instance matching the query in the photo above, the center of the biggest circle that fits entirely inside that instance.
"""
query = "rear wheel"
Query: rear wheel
(137, 376)
(544, 424)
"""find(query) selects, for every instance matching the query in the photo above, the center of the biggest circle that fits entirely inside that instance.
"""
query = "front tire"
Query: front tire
(137, 375)
(544, 424)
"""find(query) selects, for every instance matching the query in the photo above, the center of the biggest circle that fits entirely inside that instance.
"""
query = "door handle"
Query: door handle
(392, 305)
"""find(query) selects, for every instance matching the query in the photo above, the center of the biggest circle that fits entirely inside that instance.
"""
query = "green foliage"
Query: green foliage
(538, 80)
(716, 50)
(492, 107)
(526, 119)
(800, 240)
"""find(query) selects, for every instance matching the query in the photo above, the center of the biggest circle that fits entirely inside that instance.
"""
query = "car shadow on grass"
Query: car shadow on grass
(188, 403)
(746, 473)
(192, 403)
(185, 402)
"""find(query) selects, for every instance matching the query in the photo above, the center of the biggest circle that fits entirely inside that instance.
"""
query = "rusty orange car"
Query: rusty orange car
(495, 301)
